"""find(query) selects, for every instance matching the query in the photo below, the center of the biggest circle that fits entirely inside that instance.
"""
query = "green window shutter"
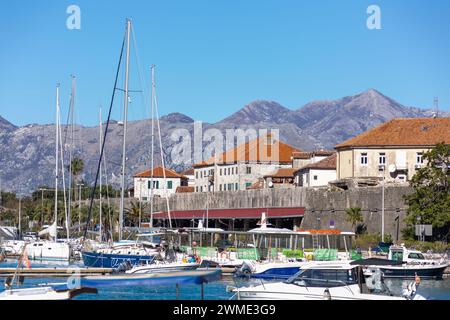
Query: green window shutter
(169, 184)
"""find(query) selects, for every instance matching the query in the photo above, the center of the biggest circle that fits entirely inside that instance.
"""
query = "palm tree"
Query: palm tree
(134, 212)
(77, 165)
(354, 215)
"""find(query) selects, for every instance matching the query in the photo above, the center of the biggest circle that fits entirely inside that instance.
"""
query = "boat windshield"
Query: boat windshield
(414, 255)
(325, 277)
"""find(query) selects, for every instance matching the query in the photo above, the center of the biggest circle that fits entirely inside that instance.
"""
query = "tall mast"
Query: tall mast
(152, 68)
(71, 112)
(56, 160)
(100, 187)
(122, 191)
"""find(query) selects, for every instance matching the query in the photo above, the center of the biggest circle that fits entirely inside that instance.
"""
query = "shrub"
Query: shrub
(371, 240)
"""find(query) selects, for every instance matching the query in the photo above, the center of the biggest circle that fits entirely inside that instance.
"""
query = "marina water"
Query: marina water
(430, 289)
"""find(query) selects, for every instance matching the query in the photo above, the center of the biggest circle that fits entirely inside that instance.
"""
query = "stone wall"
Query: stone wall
(321, 203)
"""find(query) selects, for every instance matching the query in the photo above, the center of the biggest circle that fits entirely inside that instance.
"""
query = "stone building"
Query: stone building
(393, 150)
(242, 166)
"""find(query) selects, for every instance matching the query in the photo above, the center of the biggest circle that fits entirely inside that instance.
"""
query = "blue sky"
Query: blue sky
(215, 56)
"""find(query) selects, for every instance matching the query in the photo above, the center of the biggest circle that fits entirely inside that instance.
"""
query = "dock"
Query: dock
(55, 272)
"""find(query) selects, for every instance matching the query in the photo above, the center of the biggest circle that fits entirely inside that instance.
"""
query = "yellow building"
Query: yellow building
(394, 149)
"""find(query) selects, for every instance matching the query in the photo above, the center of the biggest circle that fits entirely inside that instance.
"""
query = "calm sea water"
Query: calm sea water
(431, 289)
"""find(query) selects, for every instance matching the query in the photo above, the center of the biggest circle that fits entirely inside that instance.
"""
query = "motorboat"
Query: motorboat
(322, 280)
(270, 270)
(157, 266)
(413, 263)
(13, 247)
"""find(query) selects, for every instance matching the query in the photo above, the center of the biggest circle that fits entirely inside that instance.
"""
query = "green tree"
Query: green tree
(430, 201)
(77, 166)
(134, 212)
(354, 216)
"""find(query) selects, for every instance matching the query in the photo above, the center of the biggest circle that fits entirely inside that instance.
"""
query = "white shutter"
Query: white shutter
(400, 159)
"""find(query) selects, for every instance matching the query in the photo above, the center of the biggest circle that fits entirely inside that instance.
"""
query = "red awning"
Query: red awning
(244, 213)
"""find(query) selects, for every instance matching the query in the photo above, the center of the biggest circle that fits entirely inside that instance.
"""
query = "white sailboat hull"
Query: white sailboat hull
(47, 250)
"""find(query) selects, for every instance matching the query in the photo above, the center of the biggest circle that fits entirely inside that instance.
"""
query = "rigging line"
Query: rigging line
(162, 153)
(104, 140)
(143, 83)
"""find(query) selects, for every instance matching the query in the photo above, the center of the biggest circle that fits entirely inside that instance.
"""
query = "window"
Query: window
(419, 158)
(155, 184)
(236, 186)
(315, 177)
(363, 159)
(397, 255)
(382, 158)
(232, 170)
(229, 170)
(169, 184)
(249, 170)
(196, 189)
(201, 189)
(325, 278)
(230, 186)
(224, 187)
(220, 187)
(220, 171)
(416, 256)
(196, 175)
(201, 174)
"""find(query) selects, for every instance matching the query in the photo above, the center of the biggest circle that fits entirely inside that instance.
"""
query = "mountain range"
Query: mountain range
(27, 152)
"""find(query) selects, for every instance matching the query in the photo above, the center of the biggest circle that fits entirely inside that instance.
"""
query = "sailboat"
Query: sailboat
(52, 249)
(122, 252)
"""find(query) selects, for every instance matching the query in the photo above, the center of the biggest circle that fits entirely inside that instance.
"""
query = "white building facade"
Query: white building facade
(162, 186)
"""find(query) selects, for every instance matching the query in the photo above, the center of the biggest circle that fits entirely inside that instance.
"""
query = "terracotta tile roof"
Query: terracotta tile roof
(184, 189)
(189, 172)
(308, 155)
(301, 155)
(328, 163)
(159, 173)
(257, 150)
(404, 132)
(282, 173)
(323, 153)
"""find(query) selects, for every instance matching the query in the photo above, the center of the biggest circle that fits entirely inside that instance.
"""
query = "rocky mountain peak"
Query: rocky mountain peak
(259, 111)
(177, 117)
